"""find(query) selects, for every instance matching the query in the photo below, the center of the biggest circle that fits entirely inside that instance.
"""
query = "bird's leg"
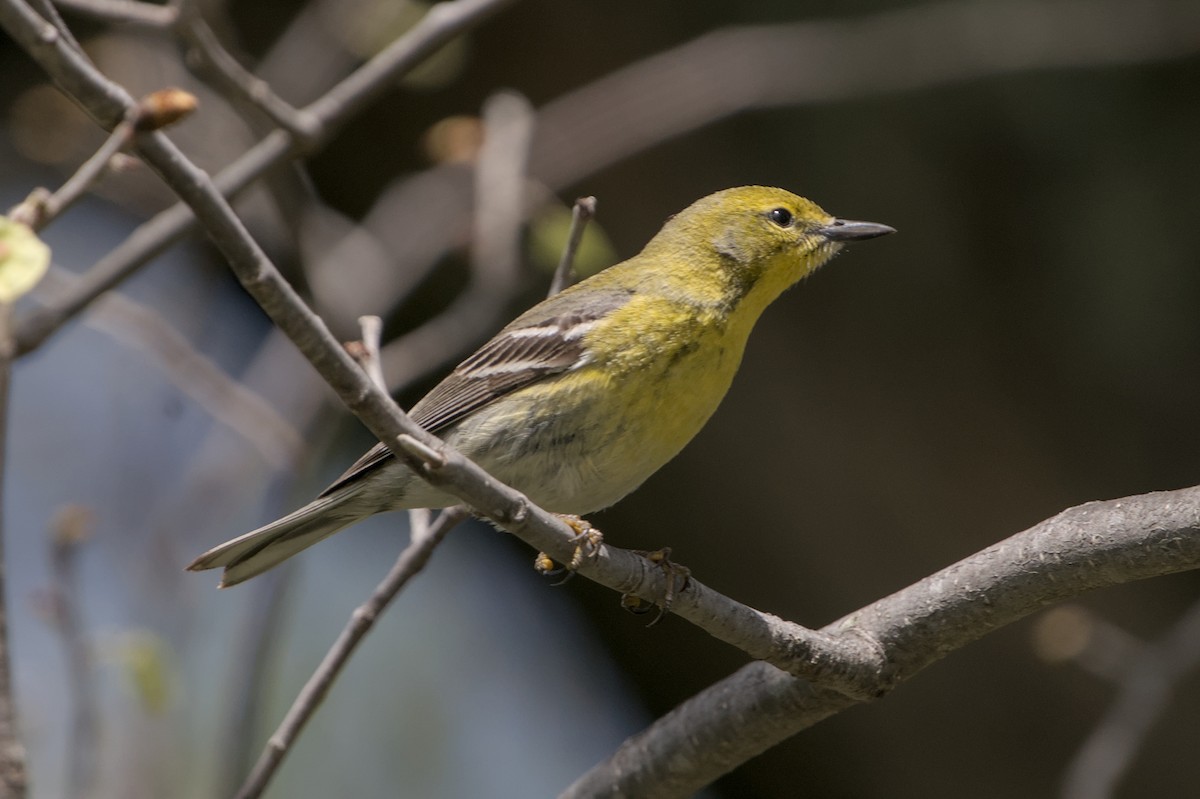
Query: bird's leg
(676, 575)
(587, 545)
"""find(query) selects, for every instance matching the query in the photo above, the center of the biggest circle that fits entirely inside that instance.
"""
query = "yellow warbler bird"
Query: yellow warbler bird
(590, 392)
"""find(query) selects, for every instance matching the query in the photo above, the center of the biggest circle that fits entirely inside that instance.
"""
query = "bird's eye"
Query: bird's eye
(780, 216)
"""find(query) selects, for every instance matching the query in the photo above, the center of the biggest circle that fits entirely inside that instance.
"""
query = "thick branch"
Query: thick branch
(1091, 546)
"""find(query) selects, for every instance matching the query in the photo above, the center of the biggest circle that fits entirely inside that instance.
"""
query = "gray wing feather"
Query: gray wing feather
(510, 361)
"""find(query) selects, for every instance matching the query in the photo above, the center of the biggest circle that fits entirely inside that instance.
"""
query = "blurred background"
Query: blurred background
(1027, 342)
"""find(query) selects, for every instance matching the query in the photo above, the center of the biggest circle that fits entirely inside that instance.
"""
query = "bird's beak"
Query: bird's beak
(849, 230)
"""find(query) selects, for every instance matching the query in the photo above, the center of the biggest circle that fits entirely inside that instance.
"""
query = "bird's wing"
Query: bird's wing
(546, 340)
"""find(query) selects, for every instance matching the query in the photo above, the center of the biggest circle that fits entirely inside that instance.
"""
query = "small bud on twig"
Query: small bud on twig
(164, 107)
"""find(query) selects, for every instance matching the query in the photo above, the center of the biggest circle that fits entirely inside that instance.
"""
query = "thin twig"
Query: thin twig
(147, 242)
(40, 208)
(123, 12)
(581, 214)
(239, 81)
(50, 14)
(411, 561)
(247, 690)
(228, 401)
(70, 531)
(13, 770)
(1144, 696)
(344, 101)
(368, 355)
(156, 110)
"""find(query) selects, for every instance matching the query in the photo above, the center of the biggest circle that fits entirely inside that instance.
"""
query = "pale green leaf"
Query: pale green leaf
(24, 259)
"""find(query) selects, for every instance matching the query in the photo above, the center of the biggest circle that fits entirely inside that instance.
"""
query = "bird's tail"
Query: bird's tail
(258, 550)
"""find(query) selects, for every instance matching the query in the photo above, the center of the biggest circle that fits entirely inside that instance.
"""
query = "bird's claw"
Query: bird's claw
(677, 577)
(587, 545)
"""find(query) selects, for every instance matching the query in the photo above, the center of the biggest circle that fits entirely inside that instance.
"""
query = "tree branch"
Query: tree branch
(564, 274)
(237, 81)
(1151, 675)
(837, 663)
(425, 538)
(70, 530)
(123, 12)
(862, 655)
(1091, 546)
(225, 399)
(327, 114)
(13, 770)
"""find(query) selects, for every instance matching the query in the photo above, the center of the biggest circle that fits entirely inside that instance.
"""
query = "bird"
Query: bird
(585, 395)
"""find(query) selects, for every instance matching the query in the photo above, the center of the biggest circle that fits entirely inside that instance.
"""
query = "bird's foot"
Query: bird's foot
(677, 577)
(587, 545)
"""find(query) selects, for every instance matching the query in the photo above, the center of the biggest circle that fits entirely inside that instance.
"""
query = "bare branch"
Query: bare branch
(1144, 696)
(581, 214)
(441, 23)
(123, 12)
(236, 79)
(367, 350)
(70, 530)
(345, 100)
(1091, 546)
(148, 241)
(41, 207)
(48, 12)
(411, 561)
(156, 110)
(13, 770)
(737, 69)
(226, 400)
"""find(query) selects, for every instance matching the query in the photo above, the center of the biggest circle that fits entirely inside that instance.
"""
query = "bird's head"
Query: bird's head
(758, 237)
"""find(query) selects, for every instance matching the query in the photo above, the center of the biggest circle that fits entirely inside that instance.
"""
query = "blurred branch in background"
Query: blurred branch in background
(425, 537)
(1147, 675)
(502, 198)
(123, 12)
(70, 530)
(13, 768)
(734, 70)
(235, 81)
(227, 400)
